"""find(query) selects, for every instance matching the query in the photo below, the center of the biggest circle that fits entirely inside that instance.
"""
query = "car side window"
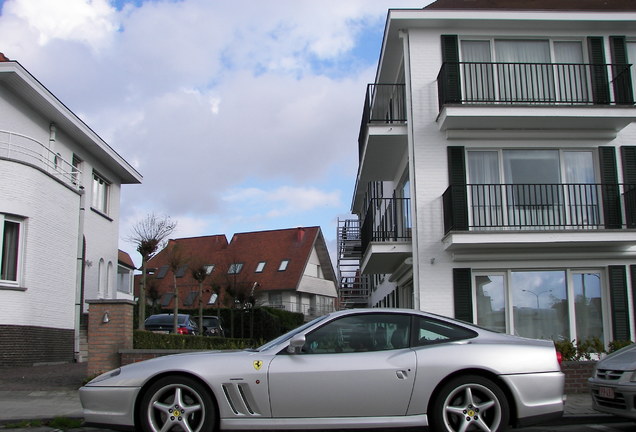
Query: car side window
(360, 333)
(431, 331)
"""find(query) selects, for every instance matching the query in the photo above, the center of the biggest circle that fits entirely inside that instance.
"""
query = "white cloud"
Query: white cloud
(211, 100)
(92, 22)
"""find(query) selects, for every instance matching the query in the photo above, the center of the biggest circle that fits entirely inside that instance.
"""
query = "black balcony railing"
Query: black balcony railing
(384, 103)
(534, 83)
(539, 206)
(387, 220)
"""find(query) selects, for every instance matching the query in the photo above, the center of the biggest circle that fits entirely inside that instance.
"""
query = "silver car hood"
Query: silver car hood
(623, 359)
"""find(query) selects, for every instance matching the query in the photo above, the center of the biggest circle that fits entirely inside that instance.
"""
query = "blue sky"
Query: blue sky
(241, 115)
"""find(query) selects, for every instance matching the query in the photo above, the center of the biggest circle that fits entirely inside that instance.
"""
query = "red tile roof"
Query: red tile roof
(124, 258)
(571, 5)
(248, 249)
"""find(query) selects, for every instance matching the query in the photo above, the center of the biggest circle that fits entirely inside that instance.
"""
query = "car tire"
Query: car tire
(176, 403)
(470, 399)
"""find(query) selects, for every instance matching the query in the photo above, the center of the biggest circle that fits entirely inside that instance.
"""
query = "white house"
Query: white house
(59, 220)
(497, 170)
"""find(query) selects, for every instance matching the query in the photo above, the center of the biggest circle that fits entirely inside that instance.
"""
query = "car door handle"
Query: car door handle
(401, 374)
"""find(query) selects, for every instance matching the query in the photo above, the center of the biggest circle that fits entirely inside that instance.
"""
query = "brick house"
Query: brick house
(59, 220)
(288, 269)
(497, 167)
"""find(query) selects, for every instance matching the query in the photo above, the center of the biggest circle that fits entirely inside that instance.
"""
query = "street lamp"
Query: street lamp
(536, 295)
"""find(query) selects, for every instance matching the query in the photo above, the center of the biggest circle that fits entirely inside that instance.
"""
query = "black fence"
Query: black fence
(387, 220)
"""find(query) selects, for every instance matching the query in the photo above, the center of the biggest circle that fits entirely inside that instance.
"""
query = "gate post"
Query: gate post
(110, 328)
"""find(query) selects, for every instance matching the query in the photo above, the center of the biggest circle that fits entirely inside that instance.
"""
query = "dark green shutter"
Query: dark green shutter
(451, 88)
(628, 156)
(463, 294)
(632, 271)
(457, 182)
(598, 70)
(618, 302)
(621, 76)
(610, 189)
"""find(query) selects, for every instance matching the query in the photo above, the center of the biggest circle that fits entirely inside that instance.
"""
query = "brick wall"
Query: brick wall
(29, 345)
(105, 339)
(576, 375)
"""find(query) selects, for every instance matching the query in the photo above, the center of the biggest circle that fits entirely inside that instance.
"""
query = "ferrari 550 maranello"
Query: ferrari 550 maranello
(361, 368)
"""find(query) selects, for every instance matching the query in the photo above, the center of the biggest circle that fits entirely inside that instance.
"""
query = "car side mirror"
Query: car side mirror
(296, 344)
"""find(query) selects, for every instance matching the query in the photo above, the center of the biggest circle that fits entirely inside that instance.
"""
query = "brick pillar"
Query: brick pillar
(110, 328)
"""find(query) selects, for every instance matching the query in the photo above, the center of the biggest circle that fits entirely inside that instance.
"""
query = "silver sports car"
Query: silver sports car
(361, 368)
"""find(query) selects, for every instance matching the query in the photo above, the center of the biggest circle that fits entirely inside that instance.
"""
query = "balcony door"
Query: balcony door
(540, 188)
(517, 70)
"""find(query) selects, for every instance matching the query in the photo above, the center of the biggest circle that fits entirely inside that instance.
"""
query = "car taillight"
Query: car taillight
(559, 357)
(183, 330)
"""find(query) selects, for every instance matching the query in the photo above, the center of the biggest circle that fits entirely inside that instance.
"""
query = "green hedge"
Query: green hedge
(148, 340)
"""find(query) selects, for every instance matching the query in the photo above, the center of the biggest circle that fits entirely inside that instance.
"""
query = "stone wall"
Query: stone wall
(29, 345)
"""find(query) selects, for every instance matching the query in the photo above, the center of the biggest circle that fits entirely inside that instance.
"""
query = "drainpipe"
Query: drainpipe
(79, 273)
(404, 35)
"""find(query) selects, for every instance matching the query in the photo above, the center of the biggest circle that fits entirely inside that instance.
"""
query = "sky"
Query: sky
(241, 115)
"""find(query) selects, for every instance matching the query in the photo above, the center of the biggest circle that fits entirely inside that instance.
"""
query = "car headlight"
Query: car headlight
(105, 376)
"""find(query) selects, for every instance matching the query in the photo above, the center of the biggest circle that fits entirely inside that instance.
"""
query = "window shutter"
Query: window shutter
(462, 292)
(622, 79)
(618, 300)
(609, 187)
(457, 182)
(450, 58)
(598, 70)
(628, 156)
(632, 271)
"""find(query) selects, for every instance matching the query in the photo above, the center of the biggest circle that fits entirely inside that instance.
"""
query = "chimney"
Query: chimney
(300, 231)
(3, 58)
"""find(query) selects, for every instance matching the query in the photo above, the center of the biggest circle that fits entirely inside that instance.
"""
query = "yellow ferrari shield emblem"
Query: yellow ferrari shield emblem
(258, 364)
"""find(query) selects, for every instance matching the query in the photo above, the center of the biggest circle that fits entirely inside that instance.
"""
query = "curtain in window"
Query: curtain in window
(570, 72)
(477, 71)
(491, 302)
(524, 70)
(582, 194)
(631, 59)
(588, 306)
(485, 189)
(10, 246)
(534, 197)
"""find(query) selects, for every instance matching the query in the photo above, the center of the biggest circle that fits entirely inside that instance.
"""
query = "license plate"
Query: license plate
(606, 392)
(161, 331)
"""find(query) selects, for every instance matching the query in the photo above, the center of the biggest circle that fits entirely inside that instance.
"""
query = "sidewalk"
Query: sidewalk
(46, 392)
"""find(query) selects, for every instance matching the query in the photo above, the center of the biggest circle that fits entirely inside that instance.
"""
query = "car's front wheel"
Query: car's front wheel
(176, 403)
(470, 403)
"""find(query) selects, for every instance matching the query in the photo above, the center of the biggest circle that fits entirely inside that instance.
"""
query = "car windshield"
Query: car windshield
(290, 334)
(211, 322)
(164, 319)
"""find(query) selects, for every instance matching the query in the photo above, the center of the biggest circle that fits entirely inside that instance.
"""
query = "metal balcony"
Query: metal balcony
(555, 95)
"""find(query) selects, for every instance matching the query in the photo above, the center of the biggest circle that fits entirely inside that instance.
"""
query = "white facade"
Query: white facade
(47, 160)
(494, 203)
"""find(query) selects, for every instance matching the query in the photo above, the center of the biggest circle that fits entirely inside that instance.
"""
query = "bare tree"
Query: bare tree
(200, 272)
(149, 234)
(175, 261)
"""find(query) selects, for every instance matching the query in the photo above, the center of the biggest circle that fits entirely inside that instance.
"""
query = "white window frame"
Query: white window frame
(569, 288)
(100, 199)
(9, 283)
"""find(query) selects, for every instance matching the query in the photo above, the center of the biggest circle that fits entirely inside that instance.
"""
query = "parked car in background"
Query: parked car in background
(164, 323)
(213, 326)
(348, 369)
(613, 384)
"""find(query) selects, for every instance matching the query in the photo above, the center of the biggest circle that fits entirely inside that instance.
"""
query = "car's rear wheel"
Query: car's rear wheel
(176, 403)
(470, 403)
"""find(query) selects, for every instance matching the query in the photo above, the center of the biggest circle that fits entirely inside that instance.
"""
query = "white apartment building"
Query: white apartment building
(497, 171)
(59, 220)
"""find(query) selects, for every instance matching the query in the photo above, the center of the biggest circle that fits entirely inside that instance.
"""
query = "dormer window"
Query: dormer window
(235, 268)
(283, 265)
(259, 267)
